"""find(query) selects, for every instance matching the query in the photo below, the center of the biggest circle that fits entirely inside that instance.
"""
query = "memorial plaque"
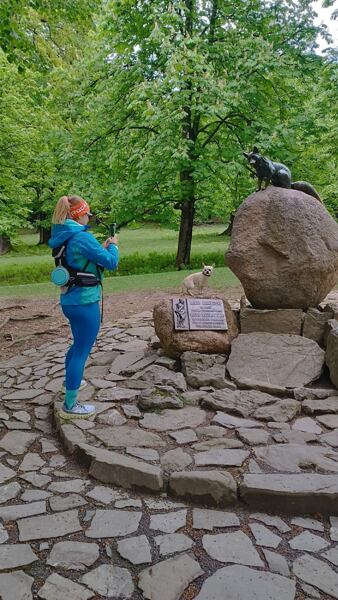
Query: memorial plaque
(199, 313)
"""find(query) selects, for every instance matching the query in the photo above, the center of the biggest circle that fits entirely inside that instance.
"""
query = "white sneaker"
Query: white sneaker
(79, 411)
(83, 384)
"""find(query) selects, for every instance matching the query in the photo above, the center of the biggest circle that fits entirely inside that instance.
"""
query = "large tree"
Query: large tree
(178, 90)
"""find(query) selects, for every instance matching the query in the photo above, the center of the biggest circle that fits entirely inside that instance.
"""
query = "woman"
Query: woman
(80, 305)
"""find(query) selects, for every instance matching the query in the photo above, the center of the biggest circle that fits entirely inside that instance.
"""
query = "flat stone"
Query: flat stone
(330, 421)
(321, 407)
(23, 395)
(286, 320)
(34, 495)
(131, 411)
(73, 555)
(211, 431)
(137, 550)
(3, 534)
(231, 422)
(232, 548)
(127, 472)
(253, 437)
(125, 435)
(168, 579)
(276, 562)
(204, 518)
(59, 503)
(285, 360)
(318, 573)
(272, 521)
(144, 453)
(36, 479)
(169, 522)
(47, 446)
(113, 523)
(309, 542)
(243, 583)
(334, 529)
(264, 537)
(17, 425)
(314, 324)
(16, 586)
(112, 417)
(162, 504)
(214, 487)
(31, 462)
(294, 437)
(6, 473)
(204, 369)
(175, 460)
(173, 542)
(296, 494)
(330, 438)
(17, 442)
(307, 424)
(291, 458)
(308, 523)
(116, 394)
(13, 556)
(103, 494)
(18, 511)
(123, 361)
(218, 443)
(158, 375)
(185, 436)
(22, 415)
(159, 398)
(331, 555)
(110, 582)
(169, 419)
(9, 491)
(73, 485)
(281, 411)
(129, 503)
(224, 458)
(48, 526)
(57, 587)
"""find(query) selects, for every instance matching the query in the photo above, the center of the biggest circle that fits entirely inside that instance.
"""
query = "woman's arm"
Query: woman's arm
(93, 251)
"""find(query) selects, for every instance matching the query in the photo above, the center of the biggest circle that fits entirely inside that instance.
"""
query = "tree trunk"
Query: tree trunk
(44, 235)
(5, 244)
(185, 235)
(228, 230)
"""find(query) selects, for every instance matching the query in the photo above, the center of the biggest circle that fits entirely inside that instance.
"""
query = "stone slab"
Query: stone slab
(48, 526)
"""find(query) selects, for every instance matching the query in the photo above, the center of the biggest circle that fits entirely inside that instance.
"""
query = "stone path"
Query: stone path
(69, 533)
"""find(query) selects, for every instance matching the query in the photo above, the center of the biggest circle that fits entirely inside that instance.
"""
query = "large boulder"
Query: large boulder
(284, 249)
(203, 341)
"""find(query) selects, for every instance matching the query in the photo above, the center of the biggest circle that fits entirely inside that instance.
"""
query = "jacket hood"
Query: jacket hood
(61, 233)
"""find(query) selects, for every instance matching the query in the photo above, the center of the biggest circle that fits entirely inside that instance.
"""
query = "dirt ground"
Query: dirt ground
(28, 323)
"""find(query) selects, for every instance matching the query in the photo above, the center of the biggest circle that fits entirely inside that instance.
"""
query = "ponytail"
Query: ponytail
(61, 211)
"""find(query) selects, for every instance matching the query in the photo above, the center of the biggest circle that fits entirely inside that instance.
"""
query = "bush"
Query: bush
(132, 264)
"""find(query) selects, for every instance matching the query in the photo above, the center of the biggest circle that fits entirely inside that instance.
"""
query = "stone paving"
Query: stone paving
(67, 532)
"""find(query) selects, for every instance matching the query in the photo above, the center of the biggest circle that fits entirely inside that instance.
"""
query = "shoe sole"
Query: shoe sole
(70, 416)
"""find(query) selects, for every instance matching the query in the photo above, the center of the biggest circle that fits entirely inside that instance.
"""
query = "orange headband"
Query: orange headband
(79, 209)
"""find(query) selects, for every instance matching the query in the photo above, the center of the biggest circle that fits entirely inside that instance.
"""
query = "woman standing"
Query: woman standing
(80, 304)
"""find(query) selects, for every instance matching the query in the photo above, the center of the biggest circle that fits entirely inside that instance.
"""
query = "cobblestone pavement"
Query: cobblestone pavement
(66, 534)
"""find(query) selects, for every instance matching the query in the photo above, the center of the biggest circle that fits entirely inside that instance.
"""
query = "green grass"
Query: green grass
(221, 279)
(148, 249)
(147, 238)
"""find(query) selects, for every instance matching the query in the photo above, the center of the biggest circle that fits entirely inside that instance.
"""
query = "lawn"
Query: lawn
(147, 238)
(221, 279)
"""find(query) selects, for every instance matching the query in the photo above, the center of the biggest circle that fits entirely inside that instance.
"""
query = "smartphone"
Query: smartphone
(112, 229)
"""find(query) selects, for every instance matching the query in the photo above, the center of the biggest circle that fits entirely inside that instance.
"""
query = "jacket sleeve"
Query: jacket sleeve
(93, 251)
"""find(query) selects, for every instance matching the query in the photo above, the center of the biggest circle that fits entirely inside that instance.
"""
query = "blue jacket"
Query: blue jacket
(81, 247)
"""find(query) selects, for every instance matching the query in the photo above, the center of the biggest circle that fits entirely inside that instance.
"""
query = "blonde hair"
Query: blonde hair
(62, 209)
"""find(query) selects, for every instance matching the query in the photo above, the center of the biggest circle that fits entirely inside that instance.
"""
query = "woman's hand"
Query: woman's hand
(110, 240)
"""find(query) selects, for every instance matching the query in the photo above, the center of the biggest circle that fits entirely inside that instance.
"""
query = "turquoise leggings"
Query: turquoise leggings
(84, 320)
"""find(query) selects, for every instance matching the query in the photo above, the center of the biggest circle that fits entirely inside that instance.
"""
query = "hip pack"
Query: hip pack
(67, 276)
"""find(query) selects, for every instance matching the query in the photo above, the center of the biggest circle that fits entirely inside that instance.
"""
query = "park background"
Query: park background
(145, 109)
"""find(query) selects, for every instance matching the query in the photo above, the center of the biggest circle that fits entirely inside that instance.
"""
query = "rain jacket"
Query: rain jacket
(81, 247)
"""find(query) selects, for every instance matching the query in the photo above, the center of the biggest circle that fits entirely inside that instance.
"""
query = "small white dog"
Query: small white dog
(198, 280)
